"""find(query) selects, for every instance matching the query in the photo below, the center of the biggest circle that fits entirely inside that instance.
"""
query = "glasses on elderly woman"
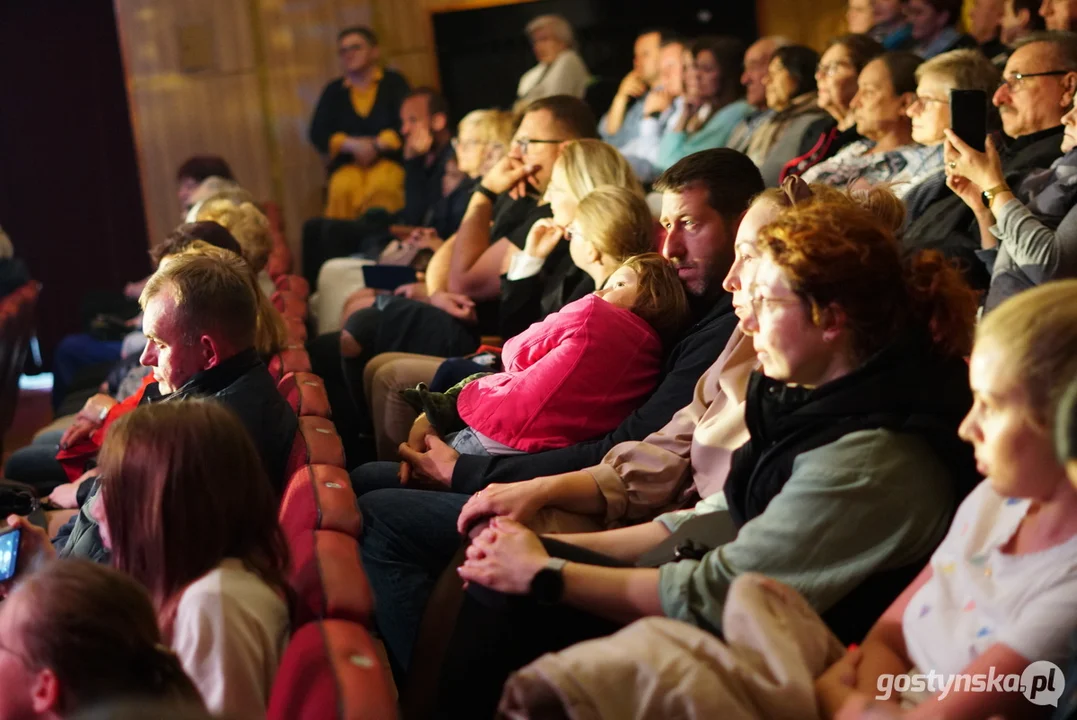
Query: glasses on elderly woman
(759, 302)
(1014, 81)
(832, 69)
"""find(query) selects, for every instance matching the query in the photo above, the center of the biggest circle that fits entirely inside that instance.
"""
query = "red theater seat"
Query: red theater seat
(328, 578)
(293, 284)
(316, 443)
(292, 359)
(295, 329)
(331, 671)
(289, 304)
(305, 393)
(320, 497)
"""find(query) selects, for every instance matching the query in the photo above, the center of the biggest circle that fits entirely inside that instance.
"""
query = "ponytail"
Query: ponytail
(942, 301)
(270, 335)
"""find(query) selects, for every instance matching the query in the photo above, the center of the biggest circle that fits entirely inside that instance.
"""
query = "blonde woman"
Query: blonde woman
(249, 227)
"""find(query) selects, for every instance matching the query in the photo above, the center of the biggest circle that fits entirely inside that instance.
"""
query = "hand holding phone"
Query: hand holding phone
(968, 117)
(9, 552)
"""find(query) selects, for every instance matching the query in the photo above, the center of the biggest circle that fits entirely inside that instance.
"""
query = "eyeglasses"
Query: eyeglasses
(832, 69)
(1014, 81)
(344, 50)
(759, 302)
(458, 144)
(925, 101)
(524, 142)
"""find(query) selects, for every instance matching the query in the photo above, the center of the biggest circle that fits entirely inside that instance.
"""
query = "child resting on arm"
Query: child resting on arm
(573, 376)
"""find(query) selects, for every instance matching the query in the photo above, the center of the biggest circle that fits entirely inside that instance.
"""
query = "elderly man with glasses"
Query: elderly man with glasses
(1037, 89)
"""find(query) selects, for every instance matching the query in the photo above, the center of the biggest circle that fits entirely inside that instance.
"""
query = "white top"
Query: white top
(566, 75)
(229, 635)
(978, 596)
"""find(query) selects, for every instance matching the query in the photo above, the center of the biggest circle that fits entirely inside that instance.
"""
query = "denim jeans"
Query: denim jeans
(409, 537)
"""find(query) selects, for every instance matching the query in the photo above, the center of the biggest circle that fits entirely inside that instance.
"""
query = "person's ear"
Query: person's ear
(1024, 17)
(1069, 87)
(907, 99)
(833, 322)
(211, 352)
(594, 254)
(438, 122)
(45, 693)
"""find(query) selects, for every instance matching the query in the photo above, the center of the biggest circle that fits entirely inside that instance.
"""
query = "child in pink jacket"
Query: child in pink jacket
(577, 374)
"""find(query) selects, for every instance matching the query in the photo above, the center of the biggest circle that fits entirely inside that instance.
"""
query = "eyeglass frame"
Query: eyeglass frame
(523, 143)
(830, 69)
(923, 100)
(758, 301)
(346, 49)
(1013, 83)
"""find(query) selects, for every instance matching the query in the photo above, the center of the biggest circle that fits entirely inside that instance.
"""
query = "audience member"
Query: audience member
(713, 99)
(985, 27)
(562, 363)
(250, 227)
(193, 172)
(560, 69)
(836, 78)
(1029, 235)
(1059, 14)
(621, 122)
(355, 127)
(887, 153)
(981, 605)
(1019, 18)
(883, 20)
(704, 197)
(756, 61)
(76, 634)
(826, 270)
(652, 115)
(934, 27)
(1031, 106)
(424, 125)
(216, 187)
(1066, 451)
(790, 85)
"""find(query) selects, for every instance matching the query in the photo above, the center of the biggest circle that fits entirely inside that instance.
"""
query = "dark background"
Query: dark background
(69, 185)
(482, 53)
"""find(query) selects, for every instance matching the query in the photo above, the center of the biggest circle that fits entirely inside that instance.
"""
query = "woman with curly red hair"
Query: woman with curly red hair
(849, 480)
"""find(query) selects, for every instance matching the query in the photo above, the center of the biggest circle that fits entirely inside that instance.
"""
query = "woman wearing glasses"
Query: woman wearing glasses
(1028, 234)
(836, 80)
(852, 452)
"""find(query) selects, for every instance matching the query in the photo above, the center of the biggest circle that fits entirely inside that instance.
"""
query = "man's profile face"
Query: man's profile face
(1033, 103)
(355, 53)
(645, 57)
(698, 241)
(175, 356)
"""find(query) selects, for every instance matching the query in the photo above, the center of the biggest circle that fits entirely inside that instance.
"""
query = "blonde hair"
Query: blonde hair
(246, 223)
(660, 297)
(964, 69)
(212, 290)
(587, 164)
(616, 221)
(493, 128)
(878, 200)
(1037, 330)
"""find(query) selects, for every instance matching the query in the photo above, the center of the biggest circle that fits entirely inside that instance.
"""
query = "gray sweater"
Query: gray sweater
(870, 501)
(1029, 252)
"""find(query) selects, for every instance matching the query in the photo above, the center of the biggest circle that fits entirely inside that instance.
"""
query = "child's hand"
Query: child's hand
(417, 442)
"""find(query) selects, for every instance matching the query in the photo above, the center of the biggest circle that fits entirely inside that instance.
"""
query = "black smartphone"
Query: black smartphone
(9, 553)
(968, 116)
(388, 277)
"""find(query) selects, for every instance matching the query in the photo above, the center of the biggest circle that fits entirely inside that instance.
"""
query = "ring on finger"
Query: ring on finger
(952, 164)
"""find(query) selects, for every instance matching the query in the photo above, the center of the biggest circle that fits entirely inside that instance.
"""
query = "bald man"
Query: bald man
(756, 60)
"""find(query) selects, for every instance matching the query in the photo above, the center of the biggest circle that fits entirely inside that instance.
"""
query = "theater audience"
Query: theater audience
(790, 85)
(560, 69)
(756, 61)
(883, 20)
(427, 135)
(1059, 14)
(704, 197)
(1029, 235)
(621, 122)
(836, 78)
(981, 606)
(74, 634)
(886, 90)
(356, 127)
(825, 270)
(934, 27)
(1031, 107)
(713, 99)
(653, 114)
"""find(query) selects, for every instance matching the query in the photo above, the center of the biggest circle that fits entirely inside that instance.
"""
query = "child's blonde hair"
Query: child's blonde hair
(588, 164)
(616, 221)
(246, 223)
(1037, 330)
(660, 296)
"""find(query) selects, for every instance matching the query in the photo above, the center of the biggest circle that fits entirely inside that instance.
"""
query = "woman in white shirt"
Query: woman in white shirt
(560, 69)
(186, 509)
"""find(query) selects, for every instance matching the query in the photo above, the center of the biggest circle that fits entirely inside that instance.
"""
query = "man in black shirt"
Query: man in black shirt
(410, 535)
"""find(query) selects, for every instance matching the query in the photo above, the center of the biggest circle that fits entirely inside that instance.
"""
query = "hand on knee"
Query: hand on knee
(349, 346)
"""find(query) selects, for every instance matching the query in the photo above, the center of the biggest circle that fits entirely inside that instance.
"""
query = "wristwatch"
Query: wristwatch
(990, 193)
(548, 584)
(486, 192)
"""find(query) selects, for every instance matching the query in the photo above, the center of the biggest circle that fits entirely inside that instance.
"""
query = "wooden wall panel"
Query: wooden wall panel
(811, 23)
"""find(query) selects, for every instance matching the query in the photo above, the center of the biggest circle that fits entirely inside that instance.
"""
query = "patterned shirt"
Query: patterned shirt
(903, 167)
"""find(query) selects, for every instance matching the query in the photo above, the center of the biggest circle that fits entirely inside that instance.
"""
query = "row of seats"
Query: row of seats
(331, 667)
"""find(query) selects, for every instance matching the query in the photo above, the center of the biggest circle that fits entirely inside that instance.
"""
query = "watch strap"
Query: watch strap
(486, 192)
(990, 193)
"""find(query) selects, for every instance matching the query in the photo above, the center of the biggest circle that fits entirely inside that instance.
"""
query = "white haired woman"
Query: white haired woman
(560, 69)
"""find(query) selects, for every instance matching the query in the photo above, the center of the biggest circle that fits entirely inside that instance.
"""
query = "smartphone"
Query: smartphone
(9, 553)
(388, 277)
(968, 116)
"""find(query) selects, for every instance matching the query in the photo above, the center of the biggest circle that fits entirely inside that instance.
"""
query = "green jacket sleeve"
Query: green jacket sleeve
(870, 501)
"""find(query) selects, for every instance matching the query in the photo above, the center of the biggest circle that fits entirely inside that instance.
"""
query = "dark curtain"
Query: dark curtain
(69, 182)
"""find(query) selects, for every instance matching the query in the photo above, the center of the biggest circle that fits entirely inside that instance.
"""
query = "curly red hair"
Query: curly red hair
(838, 253)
